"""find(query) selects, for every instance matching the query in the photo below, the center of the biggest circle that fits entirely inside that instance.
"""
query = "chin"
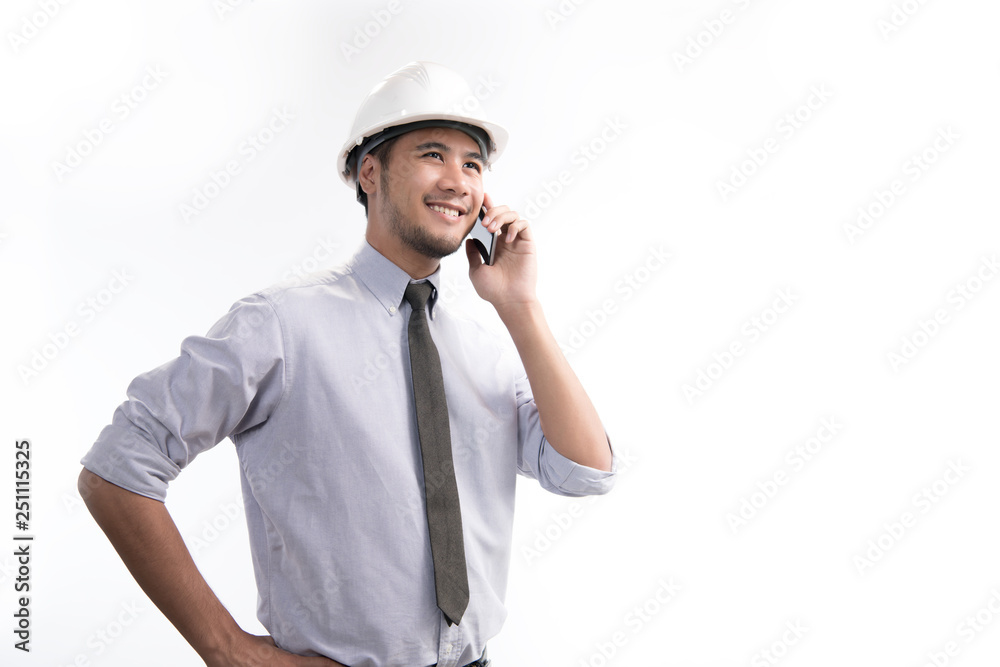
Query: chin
(450, 248)
(436, 247)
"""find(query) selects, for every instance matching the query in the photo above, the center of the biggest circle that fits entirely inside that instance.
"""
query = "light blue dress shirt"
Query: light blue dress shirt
(311, 382)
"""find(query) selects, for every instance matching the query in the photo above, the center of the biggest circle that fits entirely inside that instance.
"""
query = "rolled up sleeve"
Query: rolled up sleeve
(537, 458)
(221, 384)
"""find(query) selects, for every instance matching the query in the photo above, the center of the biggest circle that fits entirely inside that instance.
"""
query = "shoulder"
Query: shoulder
(309, 290)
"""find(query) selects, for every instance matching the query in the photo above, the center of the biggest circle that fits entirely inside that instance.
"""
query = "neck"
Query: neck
(417, 266)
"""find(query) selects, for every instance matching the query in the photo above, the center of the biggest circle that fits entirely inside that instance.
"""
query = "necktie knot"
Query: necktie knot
(417, 294)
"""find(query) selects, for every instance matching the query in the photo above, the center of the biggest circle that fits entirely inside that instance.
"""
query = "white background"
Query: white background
(673, 131)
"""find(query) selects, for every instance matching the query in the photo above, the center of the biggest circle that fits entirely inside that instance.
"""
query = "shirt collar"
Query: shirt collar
(386, 281)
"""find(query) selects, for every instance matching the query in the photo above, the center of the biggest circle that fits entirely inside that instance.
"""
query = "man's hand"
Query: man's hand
(510, 282)
(257, 651)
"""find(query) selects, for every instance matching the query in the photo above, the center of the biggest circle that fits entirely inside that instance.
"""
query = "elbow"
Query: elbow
(89, 486)
(604, 457)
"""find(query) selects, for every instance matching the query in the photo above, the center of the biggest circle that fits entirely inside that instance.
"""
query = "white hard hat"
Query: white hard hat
(421, 94)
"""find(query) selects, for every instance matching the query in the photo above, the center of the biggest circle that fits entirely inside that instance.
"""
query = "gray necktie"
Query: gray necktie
(444, 514)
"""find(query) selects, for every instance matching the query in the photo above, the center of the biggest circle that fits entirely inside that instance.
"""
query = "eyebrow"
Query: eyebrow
(438, 146)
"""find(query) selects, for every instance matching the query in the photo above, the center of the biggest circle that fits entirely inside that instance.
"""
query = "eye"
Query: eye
(475, 165)
(432, 154)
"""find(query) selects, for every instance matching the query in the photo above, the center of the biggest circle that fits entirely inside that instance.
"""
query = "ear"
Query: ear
(367, 176)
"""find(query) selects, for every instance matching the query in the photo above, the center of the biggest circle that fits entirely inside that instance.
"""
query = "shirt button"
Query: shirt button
(392, 309)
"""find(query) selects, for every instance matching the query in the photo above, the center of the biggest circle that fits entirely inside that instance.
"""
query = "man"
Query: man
(375, 540)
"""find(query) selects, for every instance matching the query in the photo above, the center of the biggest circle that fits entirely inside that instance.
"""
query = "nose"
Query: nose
(454, 179)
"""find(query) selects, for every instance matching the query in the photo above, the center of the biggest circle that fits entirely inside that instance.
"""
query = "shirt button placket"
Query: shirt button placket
(450, 645)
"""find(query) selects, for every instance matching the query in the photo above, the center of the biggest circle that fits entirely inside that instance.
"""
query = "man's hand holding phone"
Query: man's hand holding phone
(510, 281)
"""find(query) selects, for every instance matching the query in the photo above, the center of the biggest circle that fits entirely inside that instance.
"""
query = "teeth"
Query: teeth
(447, 211)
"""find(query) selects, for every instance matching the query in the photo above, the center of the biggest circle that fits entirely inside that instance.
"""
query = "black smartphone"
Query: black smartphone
(485, 240)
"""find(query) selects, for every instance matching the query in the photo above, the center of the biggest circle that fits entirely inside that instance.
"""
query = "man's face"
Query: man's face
(431, 189)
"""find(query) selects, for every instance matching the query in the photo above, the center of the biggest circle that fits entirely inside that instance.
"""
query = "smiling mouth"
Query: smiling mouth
(450, 212)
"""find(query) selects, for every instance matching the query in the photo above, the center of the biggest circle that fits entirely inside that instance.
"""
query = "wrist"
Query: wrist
(227, 647)
(518, 313)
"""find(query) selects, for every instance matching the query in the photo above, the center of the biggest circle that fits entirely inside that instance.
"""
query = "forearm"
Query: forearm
(568, 418)
(146, 538)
